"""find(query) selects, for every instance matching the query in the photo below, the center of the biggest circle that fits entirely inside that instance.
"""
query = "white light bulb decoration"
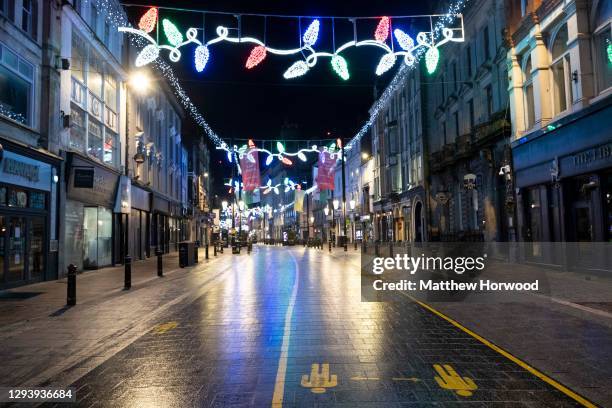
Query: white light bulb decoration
(386, 63)
(312, 33)
(298, 69)
(147, 55)
(201, 57)
(431, 59)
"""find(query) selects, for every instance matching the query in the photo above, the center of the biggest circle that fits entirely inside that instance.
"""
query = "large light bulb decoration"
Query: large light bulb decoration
(306, 49)
(610, 52)
(431, 59)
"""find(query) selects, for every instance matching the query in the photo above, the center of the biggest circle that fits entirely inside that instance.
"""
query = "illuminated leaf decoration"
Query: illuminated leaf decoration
(229, 156)
(312, 33)
(386, 63)
(242, 149)
(148, 20)
(257, 55)
(340, 66)
(404, 40)
(301, 156)
(431, 59)
(280, 147)
(382, 30)
(287, 161)
(298, 68)
(172, 33)
(269, 160)
(147, 55)
(201, 57)
(610, 52)
(276, 190)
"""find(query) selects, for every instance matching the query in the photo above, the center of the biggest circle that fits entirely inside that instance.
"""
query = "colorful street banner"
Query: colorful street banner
(298, 204)
(249, 165)
(325, 175)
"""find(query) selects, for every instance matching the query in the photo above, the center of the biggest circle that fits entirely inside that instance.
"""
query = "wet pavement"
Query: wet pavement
(286, 327)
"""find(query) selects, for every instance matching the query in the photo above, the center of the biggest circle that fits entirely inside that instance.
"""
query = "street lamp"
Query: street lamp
(352, 203)
(326, 211)
(336, 204)
(140, 82)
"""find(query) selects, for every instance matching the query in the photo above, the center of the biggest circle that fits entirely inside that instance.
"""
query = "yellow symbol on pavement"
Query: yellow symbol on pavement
(450, 380)
(319, 381)
(365, 378)
(164, 327)
(413, 379)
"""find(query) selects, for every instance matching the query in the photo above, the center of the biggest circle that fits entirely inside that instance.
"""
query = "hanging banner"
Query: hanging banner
(249, 165)
(325, 175)
(298, 205)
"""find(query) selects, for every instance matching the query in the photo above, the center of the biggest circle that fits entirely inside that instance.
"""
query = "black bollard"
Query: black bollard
(196, 246)
(160, 265)
(376, 249)
(390, 248)
(330, 246)
(128, 273)
(206, 251)
(214, 249)
(355, 242)
(71, 295)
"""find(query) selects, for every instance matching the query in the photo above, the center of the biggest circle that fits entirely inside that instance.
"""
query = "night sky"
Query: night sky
(255, 103)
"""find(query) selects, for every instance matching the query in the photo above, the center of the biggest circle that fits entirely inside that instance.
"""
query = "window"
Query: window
(485, 35)
(489, 101)
(561, 72)
(93, 17)
(94, 105)
(471, 113)
(469, 61)
(603, 44)
(528, 96)
(16, 86)
(29, 21)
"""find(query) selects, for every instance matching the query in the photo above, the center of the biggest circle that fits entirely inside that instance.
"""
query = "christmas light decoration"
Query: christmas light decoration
(257, 55)
(431, 59)
(610, 52)
(147, 55)
(298, 68)
(385, 64)
(403, 39)
(312, 34)
(382, 30)
(339, 65)
(172, 33)
(201, 57)
(280, 147)
(148, 20)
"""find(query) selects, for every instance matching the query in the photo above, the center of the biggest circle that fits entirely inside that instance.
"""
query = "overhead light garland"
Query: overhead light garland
(306, 49)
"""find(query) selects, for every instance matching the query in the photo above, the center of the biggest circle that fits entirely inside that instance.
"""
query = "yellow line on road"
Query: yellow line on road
(281, 372)
(576, 397)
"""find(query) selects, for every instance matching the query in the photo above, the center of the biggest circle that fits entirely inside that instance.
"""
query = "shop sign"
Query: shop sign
(123, 199)
(91, 183)
(23, 171)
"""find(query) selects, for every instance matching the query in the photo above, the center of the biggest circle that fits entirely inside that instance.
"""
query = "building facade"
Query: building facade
(560, 89)
(29, 166)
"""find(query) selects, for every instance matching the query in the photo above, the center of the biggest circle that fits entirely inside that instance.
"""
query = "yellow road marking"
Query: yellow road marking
(450, 380)
(281, 372)
(164, 327)
(319, 381)
(365, 378)
(576, 397)
(413, 379)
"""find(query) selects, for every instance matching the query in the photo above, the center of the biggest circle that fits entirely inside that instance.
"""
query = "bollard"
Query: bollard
(330, 245)
(71, 296)
(390, 249)
(195, 251)
(376, 249)
(214, 249)
(249, 248)
(128, 273)
(364, 247)
(206, 251)
(355, 242)
(160, 265)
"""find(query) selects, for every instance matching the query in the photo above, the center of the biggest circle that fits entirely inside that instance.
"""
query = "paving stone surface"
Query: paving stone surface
(280, 327)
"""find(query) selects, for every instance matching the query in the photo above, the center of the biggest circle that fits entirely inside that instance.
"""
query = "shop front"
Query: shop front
(28, 211)
(564, 180)
(92, 232)
(140, 223)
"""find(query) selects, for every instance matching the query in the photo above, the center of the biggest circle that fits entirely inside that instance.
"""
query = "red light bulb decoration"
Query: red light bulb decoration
(286, 161)
(382, 30)
(148, 20)
(257, 55)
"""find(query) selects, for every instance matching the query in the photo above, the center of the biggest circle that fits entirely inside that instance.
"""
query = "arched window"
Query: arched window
(561, 71)
(528, 99)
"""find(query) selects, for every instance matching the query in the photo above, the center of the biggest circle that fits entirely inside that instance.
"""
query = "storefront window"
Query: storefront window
(37, 200)
(77, 129)
(36, 237)
(18, 198)
(97, 245)
(95, 146)
(16, 248)
(110, 147)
